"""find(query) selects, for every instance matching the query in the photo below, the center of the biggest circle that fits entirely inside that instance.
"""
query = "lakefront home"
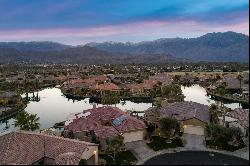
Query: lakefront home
(100, 124)
(193, 116)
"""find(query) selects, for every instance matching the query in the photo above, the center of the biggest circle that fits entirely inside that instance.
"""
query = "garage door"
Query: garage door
(190, 129)
(133, 136)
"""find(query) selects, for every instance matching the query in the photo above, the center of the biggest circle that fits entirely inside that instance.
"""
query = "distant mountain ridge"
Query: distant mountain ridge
(81, 55)
(227, 46)
(34, 46)
(217, 47)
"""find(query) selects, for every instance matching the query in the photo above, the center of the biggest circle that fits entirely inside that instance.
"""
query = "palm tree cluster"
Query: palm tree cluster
(111, 98)
(171, 91)
(27, 121)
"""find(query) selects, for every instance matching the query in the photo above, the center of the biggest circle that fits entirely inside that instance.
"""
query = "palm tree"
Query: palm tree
(115, 145)
(27, 121)
(213, 111)
(221, 91)
(240, 78)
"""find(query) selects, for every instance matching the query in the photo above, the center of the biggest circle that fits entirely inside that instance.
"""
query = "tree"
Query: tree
(176, 78)
(115, 144)
(4, 103)
(221, 91)
(235, 134)
(214, 114)
(27, 121)
(111, 98)
(157, 103)
(168, 126)
(240, 78)
(221, 135)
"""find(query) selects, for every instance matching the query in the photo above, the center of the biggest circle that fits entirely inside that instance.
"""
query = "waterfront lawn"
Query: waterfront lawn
(122, 158)
(159, 143)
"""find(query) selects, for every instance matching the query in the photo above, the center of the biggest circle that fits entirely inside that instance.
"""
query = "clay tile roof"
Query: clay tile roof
(186, 110)
(242, 115)
(107, 86)
(26, 147)
(69, 158)
(95, 122)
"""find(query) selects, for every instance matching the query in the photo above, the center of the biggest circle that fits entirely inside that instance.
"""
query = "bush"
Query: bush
(167, 125)
(221, 136)
(160, 143)
(122, 158)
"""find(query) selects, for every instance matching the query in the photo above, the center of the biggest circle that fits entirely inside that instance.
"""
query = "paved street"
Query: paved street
(195, 158)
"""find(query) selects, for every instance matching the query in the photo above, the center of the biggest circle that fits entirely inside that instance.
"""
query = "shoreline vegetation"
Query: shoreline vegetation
(228, 98)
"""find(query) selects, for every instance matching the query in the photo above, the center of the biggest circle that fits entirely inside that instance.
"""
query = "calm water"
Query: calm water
(54, 107)
(198, 94)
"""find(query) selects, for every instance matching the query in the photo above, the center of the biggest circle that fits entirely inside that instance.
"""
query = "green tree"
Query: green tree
(27, 121)
(221, 91)
(114, 145)
(221, 136)
(176, 78)
(168, 126)
(240, 78)
(111, 98)
(214, 114)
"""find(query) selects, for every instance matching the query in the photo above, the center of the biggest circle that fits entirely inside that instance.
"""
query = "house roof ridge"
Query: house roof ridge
(56, 137)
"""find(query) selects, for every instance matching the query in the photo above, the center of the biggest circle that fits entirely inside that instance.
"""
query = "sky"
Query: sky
(77, 22)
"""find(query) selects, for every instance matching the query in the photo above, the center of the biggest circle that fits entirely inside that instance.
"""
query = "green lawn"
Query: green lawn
(160, 143)
(122, 158)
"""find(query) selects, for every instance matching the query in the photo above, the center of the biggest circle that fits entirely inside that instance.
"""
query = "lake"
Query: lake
(54, 107)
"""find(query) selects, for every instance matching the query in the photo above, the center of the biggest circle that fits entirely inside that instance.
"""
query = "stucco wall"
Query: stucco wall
(92, 150)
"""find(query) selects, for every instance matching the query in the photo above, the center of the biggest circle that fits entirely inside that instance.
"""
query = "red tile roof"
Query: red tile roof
(242, 115)
(147, 84)
(26, 147)
(107, 86)
(95, 122)
(69, 158)
(186, 110)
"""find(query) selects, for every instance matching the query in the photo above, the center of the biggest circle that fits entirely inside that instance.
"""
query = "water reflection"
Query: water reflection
(54, 107)
(198, 94)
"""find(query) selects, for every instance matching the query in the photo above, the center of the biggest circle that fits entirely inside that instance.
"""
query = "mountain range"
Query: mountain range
(220, 47)
(216, 47)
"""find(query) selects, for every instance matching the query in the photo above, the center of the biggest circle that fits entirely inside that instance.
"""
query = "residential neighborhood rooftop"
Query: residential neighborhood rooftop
(26, 148)
(242, 115)
(186, 110)
(103, 120)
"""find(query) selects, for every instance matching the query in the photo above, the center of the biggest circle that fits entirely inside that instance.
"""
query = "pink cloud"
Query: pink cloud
(146, 30)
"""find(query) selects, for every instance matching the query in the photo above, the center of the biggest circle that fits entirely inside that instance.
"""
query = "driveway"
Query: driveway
(194, 142)
(140, 150)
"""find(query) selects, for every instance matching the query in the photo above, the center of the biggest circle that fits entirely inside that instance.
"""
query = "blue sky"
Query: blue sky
(81, 21)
